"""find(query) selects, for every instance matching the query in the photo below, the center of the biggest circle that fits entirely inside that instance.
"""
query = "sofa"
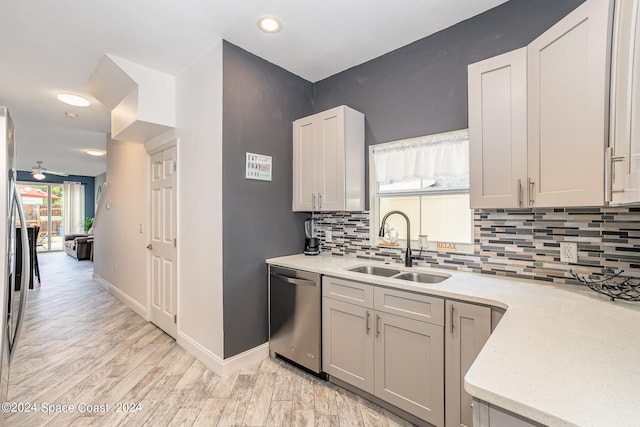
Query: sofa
(79, 246)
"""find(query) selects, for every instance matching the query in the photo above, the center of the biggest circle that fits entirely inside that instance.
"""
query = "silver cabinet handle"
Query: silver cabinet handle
(295, 281)
(368, 322)
(608, 177)
(519, 192)
(313, 201)
(319, 201)
(150, 246)
(377, 325)
(451, 317)
(530, 188)
(610, 174)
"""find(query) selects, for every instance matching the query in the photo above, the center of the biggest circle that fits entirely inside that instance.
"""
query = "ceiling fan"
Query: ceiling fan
(38, 171)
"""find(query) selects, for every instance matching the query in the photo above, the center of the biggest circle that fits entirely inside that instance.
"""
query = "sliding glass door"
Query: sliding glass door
(43, 208)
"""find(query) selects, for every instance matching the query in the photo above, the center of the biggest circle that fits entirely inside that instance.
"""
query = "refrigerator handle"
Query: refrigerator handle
(26, 271)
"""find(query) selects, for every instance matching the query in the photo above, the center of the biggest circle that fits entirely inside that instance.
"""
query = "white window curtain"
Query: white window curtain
(440, 157)
(73, 207)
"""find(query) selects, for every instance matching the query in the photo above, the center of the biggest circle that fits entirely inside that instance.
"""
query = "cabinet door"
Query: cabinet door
(468, 328)
(568, 108)
(331, 160)
(498, 130)
(624, 143)
(347, 343)
(410, 366)
(304, 163)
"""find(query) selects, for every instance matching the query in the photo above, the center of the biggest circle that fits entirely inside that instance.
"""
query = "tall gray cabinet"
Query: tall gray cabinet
(623, 155)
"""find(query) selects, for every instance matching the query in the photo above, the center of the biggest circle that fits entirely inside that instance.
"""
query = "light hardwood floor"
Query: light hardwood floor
(82, 347)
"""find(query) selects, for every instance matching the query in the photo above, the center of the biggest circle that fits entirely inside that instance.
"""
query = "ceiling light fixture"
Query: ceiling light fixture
(95, 152)
(71, 115)
(75, 100)
(39, 176)
(269, 24)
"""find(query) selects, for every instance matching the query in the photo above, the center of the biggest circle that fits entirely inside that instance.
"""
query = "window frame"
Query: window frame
(374, 210)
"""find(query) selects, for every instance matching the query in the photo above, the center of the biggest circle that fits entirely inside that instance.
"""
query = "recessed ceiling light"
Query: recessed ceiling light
(75, 100)
(95, 152)
(71, 115)
(269, 24)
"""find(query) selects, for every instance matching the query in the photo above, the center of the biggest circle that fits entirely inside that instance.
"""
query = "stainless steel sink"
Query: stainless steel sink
(402, 275)
(421, 277)
(374, 270)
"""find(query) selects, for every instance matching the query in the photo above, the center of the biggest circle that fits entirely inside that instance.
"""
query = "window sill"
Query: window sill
(451, 247)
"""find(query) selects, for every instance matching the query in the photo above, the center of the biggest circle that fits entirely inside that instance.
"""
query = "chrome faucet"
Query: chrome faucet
(407, 257)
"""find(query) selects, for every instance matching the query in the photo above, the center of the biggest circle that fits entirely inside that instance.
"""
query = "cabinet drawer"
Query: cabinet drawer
(345, 290)
(415, 306)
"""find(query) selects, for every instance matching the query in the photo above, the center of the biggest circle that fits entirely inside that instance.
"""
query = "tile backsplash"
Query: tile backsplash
(508, 242)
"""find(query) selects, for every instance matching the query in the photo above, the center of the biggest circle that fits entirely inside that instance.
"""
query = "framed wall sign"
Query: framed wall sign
(258, 167)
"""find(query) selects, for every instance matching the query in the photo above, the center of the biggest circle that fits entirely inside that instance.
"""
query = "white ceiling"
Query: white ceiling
(52, 46)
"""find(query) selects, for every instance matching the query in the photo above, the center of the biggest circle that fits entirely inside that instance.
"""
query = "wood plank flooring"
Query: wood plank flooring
(83, 348)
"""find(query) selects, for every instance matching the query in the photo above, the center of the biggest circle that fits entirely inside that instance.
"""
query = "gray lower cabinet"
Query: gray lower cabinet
(468, 328)
(397, 358)
(485, 415)
(347, 343)
(409, 366)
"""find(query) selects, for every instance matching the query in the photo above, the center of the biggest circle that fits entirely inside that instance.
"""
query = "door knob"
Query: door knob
(150, 246)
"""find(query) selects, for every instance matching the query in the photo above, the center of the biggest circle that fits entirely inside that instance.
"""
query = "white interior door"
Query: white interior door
(163, 242)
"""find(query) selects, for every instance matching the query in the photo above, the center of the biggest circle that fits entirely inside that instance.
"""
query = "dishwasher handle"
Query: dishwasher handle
(295, 281)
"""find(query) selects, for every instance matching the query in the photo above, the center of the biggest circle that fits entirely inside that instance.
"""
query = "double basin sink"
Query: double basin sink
(402, 275)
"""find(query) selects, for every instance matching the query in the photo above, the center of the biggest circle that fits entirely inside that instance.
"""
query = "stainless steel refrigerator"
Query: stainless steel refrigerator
(13, 296)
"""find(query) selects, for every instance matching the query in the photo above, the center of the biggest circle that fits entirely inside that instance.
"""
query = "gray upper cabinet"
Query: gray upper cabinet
(538, 125)
(498, 130)
(467, 330)
(328, 161)
(568, 93)
(623, 156)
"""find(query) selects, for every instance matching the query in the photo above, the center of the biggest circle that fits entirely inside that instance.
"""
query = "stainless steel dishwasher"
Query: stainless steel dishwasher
(295, 317)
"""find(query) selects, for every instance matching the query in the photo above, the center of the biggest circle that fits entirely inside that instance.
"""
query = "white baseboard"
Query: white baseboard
(223, 367)
(126, 299)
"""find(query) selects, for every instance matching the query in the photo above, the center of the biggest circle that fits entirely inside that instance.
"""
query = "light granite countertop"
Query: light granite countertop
(562, 354)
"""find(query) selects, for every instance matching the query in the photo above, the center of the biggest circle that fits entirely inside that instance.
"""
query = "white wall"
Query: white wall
(199, 132)
(119, 247)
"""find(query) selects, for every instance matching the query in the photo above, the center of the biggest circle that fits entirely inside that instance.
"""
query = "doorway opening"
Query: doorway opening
(56, 208)
(43, 208)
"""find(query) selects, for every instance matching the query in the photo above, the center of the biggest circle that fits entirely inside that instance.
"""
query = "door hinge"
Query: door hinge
(175, 318)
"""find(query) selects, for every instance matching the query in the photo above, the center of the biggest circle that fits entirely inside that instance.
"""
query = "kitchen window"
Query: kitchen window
(427, 178)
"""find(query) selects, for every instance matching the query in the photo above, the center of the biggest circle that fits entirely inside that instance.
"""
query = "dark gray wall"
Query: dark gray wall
(421, 88)
(88, 181)
(260, 102)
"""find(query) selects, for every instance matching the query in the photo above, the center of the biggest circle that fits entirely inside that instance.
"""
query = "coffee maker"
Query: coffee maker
(311, 243)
